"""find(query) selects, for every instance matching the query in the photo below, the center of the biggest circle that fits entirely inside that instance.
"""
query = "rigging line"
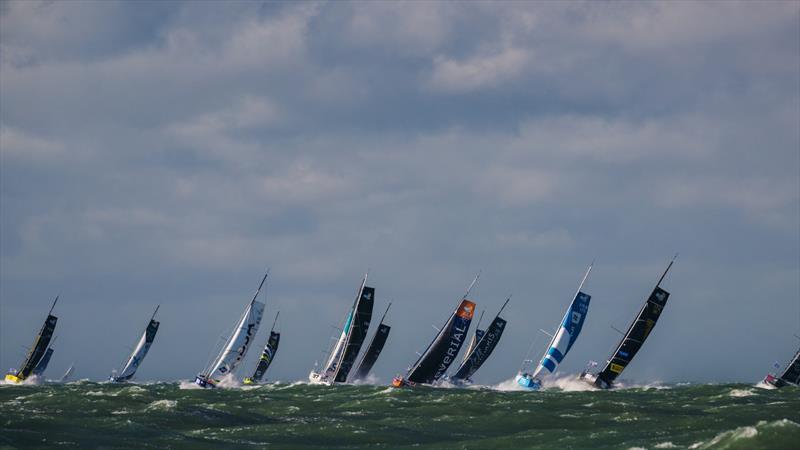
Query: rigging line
(54, 305)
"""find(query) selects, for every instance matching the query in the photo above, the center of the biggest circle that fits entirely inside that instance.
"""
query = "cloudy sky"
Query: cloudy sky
(168, 153)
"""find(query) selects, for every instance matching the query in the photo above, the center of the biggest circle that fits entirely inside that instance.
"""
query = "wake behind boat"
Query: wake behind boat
(344, 352)
(638, 331)
(561, 342)
(38, 351)
(139, 352)
(235, 348)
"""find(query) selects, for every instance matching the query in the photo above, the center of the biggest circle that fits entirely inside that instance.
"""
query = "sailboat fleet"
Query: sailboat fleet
(343, 365)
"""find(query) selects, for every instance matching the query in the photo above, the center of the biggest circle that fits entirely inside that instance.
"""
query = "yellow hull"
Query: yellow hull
(11, 378)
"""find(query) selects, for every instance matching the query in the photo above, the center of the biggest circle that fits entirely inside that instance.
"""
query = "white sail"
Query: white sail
(68, 373)
(338, 349)
(237, 345)
(136, 357)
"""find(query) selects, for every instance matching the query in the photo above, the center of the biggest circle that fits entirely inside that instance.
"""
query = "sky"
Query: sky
(169, 152)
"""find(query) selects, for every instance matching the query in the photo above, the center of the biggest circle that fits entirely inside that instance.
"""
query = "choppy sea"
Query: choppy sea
(177, 415)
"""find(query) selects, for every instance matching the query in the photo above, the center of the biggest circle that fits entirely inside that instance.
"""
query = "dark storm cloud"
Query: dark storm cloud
(168, 154)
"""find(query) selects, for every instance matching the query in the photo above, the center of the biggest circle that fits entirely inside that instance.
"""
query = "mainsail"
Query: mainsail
(37, 352)
(790, 375)
(347, 347)
(637, 333)
(480, 352)
(374, 350)
(568, 332)
(267, 355)
(792, 372)
(68, 373)
(140, 351)
(444, 348)
(237, 344)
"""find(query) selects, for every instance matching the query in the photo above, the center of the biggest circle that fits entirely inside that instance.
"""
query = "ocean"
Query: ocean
(176, 415)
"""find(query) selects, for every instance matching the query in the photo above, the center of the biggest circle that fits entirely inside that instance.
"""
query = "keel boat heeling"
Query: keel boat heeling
(444, 348)
(38, 351)
(347, 347)
(374, 350)
(480, 352)
(634, 338)
(235, 348)
(267, 355)
(562, 341)
(67, 374)
(790, 376)
(139, 352)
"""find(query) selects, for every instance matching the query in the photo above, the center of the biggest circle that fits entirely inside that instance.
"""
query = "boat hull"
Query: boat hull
(316, 378)
(204, 382)
(594, 380)
(528, 382)
(774, 381)
(11, 378)
(402, 382)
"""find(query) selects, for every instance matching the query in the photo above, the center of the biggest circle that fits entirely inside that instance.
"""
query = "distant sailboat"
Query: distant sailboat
(790, 375)
(369, 357)
(480, 348)
(443, 350)
(67, 374)
(37, 352)
(267, 355)
(235, 348)
(634, 338)
(561, 342)
(344, 352)
(138, 354)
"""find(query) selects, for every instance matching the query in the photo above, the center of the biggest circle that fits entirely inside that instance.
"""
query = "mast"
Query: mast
(54, 305)
(274, 322)
(154, 313)
(667, 270)
(384, 313)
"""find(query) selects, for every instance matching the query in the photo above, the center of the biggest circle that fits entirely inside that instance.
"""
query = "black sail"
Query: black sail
(482, 350)
(637, 333)
(267, 356)
(42, 366)
(357, 333)
(435, 361)
(39, 346)
(373, 351)
(792, 372)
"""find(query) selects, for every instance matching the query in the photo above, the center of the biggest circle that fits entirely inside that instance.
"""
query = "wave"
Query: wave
(746, 437)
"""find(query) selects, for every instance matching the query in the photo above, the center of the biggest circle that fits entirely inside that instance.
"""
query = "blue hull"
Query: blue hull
(529, 383)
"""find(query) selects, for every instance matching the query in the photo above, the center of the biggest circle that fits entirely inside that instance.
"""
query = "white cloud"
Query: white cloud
(476, 72)
(18, 145)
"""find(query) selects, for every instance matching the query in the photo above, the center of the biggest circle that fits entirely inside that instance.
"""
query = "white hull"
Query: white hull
(316, 378)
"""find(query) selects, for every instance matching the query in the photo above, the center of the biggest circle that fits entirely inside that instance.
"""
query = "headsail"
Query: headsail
(444, 348)
(42, 366)
(238, 343)
(475, 337)
(140, 351)
(480, 352)
(637, 333)
(267, 355)
(374, 350)
(568, 332)
(39, 348)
